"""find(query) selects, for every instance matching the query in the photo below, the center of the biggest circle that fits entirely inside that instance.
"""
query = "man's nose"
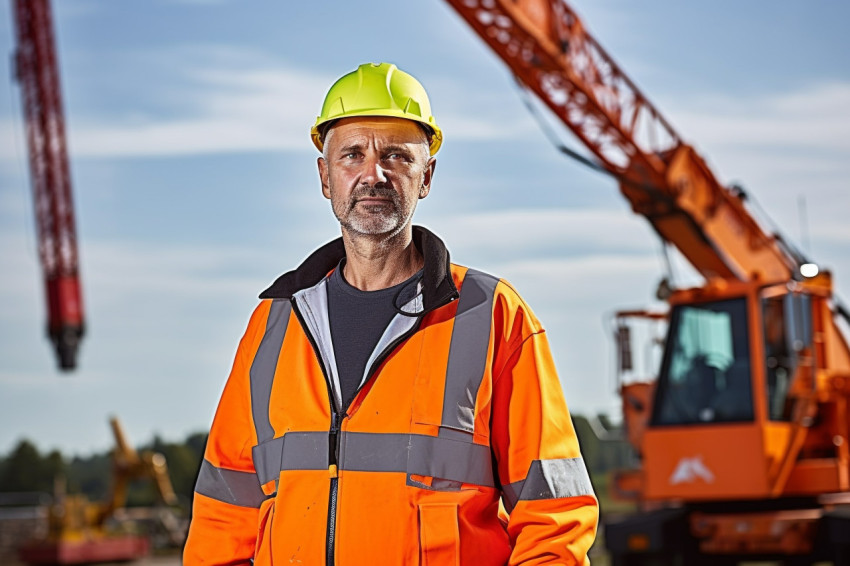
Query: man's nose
(373, 172)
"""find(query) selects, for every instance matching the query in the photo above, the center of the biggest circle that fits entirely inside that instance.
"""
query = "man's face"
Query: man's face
(373, 170)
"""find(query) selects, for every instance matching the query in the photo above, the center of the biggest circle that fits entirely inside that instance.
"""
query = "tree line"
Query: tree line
(26, 469)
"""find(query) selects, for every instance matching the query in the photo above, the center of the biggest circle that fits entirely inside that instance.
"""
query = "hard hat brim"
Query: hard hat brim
(317, 132)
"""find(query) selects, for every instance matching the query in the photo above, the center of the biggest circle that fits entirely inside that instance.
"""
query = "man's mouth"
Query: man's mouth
(374, 200)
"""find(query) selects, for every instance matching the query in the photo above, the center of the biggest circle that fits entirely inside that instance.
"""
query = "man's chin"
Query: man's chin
(373, 230)
(375, 225)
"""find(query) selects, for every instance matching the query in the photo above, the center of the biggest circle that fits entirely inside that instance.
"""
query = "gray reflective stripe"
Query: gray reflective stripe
(376, 452)
(417, 454)
(468, 351)
(229, 486)
(550, 479)
(267, 459)
(450, 459)
(510, 494)
(292, 451)
(305, 451)
(264, 365)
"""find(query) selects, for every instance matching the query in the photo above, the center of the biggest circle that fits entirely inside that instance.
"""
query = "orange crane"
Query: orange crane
(743, 436)
(37, 71)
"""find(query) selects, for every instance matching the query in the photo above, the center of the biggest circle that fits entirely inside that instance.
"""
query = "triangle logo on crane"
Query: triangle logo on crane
(688, 470)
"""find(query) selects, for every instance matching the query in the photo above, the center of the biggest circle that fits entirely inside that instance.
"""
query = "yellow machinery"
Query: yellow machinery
(83, 532)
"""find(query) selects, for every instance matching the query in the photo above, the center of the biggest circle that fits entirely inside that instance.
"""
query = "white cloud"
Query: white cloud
(239, 102)
(810, 118)
(577, 231)
(773, 142)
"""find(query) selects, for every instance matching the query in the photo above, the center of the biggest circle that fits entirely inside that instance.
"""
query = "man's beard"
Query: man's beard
(373, 219)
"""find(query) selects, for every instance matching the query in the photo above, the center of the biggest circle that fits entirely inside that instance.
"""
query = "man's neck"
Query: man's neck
(378, 262)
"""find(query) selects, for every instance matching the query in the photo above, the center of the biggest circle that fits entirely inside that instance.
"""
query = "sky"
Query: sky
(195, 180)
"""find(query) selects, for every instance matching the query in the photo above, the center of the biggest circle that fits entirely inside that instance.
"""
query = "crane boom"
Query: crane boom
(549, 50)
(37, 72)
(742, 435)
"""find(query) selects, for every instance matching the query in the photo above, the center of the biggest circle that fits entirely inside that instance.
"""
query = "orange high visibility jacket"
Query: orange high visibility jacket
(457, 448)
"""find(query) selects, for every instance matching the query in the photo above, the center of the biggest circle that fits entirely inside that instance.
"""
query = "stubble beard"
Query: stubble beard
(387, 218)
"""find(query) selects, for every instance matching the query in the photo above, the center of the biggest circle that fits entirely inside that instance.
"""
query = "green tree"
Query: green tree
(26, 470)
(90, 476)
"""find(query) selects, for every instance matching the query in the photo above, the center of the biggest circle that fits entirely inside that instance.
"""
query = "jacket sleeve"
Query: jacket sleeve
(225, 508)
(545, 485)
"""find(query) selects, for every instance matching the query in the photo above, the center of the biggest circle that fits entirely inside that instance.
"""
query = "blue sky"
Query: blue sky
(195, 182)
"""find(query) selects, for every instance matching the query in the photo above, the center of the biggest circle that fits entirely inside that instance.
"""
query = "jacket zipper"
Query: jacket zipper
(333, 460)
(334, 432)
(333, 441)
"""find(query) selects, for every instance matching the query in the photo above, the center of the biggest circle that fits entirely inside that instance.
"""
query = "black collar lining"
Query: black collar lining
(438, 287)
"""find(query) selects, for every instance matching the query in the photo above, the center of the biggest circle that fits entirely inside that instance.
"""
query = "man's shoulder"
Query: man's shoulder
(463, 273)
(483, 287)
(312, 270)
(489, 284)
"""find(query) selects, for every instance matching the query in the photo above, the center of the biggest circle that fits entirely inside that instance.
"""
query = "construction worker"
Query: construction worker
(387, 406)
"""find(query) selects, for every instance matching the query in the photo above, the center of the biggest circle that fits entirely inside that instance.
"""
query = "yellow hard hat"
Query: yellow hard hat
(377, 90)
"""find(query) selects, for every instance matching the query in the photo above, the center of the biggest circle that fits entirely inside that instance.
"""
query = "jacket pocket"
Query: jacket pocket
(439, 539)
(263, 547)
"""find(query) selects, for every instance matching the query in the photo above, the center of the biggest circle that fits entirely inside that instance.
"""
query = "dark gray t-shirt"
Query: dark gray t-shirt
(357, 320)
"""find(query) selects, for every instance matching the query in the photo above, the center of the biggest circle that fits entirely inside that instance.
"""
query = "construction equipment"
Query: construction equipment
(743, 437)
(82, 532)
(37, 71)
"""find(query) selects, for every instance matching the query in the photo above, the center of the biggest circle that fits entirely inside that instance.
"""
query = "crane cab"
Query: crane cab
(739, 407)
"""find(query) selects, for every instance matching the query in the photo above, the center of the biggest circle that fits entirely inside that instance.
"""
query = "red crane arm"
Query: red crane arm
(547, 47)
(37, 72)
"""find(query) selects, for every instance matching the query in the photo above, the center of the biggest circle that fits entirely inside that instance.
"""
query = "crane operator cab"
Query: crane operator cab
(706, 368)
(707, 373)
(735, 362)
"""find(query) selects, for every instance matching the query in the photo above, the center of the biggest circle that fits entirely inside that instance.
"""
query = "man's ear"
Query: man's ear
(323, 176)
(427, 177)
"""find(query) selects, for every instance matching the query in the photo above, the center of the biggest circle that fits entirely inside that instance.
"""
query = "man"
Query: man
(385, 405)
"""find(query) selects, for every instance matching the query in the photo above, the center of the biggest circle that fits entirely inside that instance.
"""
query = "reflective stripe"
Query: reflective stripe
(510, 494)
(451, 459)
(229, 486)
(264, 365)
(375, 452)
(468, 351)
(305, 451)
(267, 459)
(292, 451)
(417, 454)
(550, 479)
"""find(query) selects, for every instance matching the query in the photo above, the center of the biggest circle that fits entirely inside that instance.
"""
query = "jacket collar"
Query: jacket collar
(438, 286)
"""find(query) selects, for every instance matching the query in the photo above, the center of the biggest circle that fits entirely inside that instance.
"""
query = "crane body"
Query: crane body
(38, 74)
(743, 434)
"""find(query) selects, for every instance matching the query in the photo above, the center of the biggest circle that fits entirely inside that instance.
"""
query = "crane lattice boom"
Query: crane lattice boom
(549, 50)
(37, 72)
